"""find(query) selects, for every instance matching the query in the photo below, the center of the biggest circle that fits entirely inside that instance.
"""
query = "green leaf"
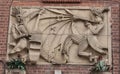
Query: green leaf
(16, 64)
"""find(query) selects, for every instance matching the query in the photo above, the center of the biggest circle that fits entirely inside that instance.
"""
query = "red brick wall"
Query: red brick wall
(66, 69)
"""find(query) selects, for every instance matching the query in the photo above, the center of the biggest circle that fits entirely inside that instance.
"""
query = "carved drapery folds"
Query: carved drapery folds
(59, 35)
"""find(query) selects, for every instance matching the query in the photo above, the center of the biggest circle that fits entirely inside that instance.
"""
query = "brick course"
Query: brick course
(66, 69)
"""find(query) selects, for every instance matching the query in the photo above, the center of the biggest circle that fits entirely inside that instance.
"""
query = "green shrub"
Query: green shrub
(16, 64)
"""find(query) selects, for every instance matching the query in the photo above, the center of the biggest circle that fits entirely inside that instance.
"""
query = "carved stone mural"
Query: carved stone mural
(59, 35)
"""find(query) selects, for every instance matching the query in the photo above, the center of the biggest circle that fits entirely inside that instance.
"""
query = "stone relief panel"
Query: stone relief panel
(59, 35)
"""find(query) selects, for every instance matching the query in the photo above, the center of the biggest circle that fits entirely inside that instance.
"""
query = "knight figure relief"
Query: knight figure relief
(60, 35)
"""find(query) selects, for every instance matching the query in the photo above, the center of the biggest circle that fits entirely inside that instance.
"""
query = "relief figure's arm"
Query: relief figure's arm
(15, 31)
(96, 28)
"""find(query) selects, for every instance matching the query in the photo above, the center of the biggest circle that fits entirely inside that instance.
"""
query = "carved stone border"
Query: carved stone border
(74, 7)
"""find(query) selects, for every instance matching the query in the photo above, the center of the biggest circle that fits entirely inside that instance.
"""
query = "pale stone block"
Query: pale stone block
(60, 35)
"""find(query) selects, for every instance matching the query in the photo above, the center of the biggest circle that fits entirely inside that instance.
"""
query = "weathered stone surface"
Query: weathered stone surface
(60, 35)
(16, 71)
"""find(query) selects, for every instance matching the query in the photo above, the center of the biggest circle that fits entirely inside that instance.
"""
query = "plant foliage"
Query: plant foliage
(100, 67)
(16, 64)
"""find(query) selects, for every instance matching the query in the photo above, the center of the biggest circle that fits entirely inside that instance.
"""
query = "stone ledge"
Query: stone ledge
(61, 1)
